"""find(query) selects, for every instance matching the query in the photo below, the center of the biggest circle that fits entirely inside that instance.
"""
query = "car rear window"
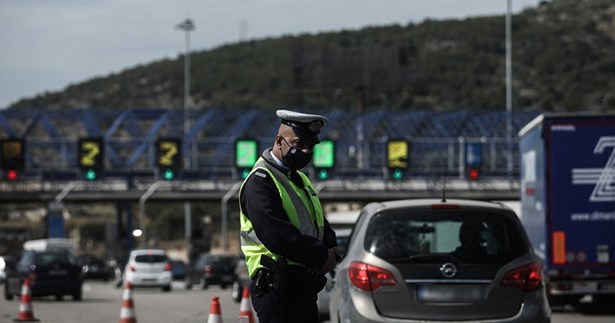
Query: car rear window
(45, 259)
(468, 237)
(150, 258)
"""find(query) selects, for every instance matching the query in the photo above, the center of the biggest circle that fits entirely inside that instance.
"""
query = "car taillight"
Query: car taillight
(132, 268)
(32, 276)
(526, 278)
(368, 277)
(167, 267)
(207, 269)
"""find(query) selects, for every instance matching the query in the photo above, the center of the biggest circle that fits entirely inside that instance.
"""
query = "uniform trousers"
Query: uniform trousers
(295, 303)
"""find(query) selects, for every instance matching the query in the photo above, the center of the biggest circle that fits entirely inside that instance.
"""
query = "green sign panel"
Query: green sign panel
(324, 154)
(246, 153)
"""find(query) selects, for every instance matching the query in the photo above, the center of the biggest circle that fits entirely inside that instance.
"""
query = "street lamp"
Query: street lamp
(509, 163)
(186, 26)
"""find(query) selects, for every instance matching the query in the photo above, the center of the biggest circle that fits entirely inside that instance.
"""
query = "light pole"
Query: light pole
(187, 26)
(509, 161)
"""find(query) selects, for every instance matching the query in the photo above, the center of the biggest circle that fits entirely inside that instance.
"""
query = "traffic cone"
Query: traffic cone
(245, 308)
(215, 315)
(127, 313)
(25, 306)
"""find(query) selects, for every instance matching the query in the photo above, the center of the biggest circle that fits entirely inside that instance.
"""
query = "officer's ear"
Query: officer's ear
(278, 141)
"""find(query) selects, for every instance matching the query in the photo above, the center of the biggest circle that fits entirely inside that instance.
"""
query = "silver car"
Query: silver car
(434, 260)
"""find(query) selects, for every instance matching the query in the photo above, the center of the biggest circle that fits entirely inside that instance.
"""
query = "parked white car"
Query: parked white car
(149, 268)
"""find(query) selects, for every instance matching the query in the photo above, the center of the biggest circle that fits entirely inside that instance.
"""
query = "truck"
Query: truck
(567, 184)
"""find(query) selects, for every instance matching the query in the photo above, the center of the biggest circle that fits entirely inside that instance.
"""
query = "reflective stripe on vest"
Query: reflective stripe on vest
(295, 208)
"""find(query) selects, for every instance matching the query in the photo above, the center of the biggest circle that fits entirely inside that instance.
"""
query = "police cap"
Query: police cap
(306, 126)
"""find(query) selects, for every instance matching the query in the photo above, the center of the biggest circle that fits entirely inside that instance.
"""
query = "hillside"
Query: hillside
(563, 59)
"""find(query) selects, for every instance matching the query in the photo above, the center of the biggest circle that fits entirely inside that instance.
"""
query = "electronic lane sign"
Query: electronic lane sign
(91, 157)
(12, 157)
(473, 160)
(246, 154)
(398, 155)
(323, 160)
(168, 156)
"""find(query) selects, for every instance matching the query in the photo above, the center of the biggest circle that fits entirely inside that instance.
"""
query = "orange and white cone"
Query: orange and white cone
(25, 306)
(127, 313)
(245, 308)
(215, 314)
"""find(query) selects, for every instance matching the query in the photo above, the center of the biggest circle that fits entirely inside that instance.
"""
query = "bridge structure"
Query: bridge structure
(436, 152)
(129, 173)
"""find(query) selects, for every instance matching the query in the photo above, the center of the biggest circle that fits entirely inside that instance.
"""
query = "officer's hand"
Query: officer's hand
(330, 263)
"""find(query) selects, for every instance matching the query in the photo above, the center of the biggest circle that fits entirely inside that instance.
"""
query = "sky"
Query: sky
(46, 45)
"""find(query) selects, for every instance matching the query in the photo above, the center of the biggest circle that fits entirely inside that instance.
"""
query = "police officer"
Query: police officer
(287, 242)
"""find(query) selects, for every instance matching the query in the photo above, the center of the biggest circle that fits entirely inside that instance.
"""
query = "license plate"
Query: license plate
(58, 272)
(449, 293)
(227, 279)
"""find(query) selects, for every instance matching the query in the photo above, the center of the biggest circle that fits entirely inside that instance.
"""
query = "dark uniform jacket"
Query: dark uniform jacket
(261, 203)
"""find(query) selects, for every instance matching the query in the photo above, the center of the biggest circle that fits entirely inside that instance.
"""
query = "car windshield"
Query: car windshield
(467, 237)
(150, 258)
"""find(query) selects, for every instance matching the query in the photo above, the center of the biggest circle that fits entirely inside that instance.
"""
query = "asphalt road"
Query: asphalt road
(102, 304)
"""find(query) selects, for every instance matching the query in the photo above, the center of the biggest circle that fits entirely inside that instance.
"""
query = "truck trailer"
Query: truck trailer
(568, 203)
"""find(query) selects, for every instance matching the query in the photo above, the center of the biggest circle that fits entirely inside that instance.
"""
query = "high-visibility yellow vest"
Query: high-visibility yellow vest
(301, 206)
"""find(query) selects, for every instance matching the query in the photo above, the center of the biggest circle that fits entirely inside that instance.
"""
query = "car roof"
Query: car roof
(343, 232)
(424, 203)
(148, 252)
(343, 217)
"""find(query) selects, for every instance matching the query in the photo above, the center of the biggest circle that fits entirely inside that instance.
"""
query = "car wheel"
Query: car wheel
(8, 296)
(223, 286)
(58, 297)
(166, 288)
(204, 283)
(77, 296)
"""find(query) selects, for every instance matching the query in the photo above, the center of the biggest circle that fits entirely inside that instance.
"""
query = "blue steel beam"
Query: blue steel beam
(7, 126)
(89, 123)
(233, 132)
(110, 152)
(48, 125)
(149, 138)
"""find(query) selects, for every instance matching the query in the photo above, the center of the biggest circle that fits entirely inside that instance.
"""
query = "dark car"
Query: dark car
(212, 269)
(434, 260)
(53, 272)
(178, 270)
(94, 267)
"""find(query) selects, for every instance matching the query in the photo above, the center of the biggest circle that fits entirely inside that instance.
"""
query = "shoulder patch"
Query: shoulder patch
(263, 175)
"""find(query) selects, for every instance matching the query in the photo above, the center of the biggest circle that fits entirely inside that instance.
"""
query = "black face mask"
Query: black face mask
(296, 159)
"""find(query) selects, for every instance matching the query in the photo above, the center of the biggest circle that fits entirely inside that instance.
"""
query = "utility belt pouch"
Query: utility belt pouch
(276, 275)
(261, 280)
